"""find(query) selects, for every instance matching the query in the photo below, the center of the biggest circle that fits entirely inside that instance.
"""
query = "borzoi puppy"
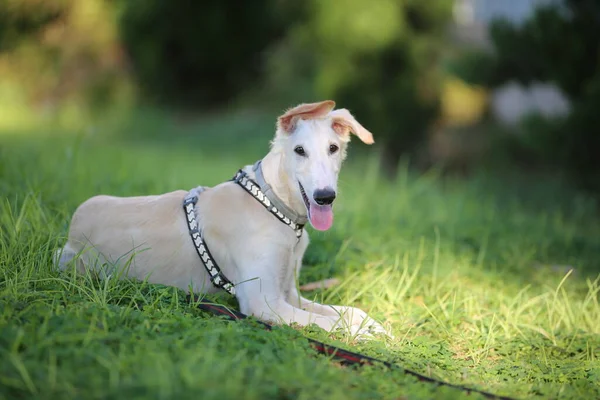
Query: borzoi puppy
(245, 236)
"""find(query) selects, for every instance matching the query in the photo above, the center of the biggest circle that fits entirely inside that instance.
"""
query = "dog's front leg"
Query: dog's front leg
(261, 295)
(356, 319)
(358, 322)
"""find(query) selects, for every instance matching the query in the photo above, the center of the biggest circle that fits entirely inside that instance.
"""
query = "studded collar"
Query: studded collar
(264, 194)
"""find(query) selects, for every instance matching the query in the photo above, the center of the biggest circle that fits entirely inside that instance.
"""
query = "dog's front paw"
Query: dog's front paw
(361, 325)
(353, 316)
(368, 329)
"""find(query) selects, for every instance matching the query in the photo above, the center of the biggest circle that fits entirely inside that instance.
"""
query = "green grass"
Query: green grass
(471, 276)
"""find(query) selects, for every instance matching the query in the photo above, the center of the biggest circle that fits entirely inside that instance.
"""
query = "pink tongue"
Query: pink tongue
(321, 217)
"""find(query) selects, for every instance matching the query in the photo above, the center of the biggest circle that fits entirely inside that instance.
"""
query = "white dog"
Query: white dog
(250, 248)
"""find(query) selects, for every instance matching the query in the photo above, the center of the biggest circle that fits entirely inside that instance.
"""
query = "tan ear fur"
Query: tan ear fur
(344, 123)
(287, 122)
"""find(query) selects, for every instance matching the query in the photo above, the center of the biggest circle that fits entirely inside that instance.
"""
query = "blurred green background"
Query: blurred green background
(465, 84)
(470, 227)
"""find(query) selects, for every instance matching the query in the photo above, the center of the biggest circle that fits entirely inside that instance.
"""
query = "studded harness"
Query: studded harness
(261, 192)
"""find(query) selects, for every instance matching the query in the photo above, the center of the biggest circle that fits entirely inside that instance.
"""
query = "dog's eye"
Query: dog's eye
(333, 148)
(300, 150)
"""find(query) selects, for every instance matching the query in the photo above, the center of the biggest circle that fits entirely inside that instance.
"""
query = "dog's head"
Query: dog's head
(313, 139)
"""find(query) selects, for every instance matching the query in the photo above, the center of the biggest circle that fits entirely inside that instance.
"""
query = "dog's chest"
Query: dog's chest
(292, 268)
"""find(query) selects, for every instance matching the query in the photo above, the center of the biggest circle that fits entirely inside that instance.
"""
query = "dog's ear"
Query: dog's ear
(344, 123)
(287, 122)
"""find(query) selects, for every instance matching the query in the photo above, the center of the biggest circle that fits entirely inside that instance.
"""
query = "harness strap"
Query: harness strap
(217, 277)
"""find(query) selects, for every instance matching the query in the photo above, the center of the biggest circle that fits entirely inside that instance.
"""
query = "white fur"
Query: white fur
(257, 252)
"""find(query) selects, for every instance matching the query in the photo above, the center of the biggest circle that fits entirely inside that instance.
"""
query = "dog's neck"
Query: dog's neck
(284, 186)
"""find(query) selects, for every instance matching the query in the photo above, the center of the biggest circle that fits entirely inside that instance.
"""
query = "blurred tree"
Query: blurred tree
(559, 44)
(21, 19)
(381, 60)
(58, 51)
(200, 52)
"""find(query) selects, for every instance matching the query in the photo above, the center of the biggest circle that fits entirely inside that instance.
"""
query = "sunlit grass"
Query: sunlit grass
(480, 285)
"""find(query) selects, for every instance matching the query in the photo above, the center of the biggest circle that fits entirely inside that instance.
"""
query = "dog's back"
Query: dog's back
(108, 231)
(148, 235)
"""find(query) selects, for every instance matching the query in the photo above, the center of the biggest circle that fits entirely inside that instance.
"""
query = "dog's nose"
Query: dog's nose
(324, 196)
